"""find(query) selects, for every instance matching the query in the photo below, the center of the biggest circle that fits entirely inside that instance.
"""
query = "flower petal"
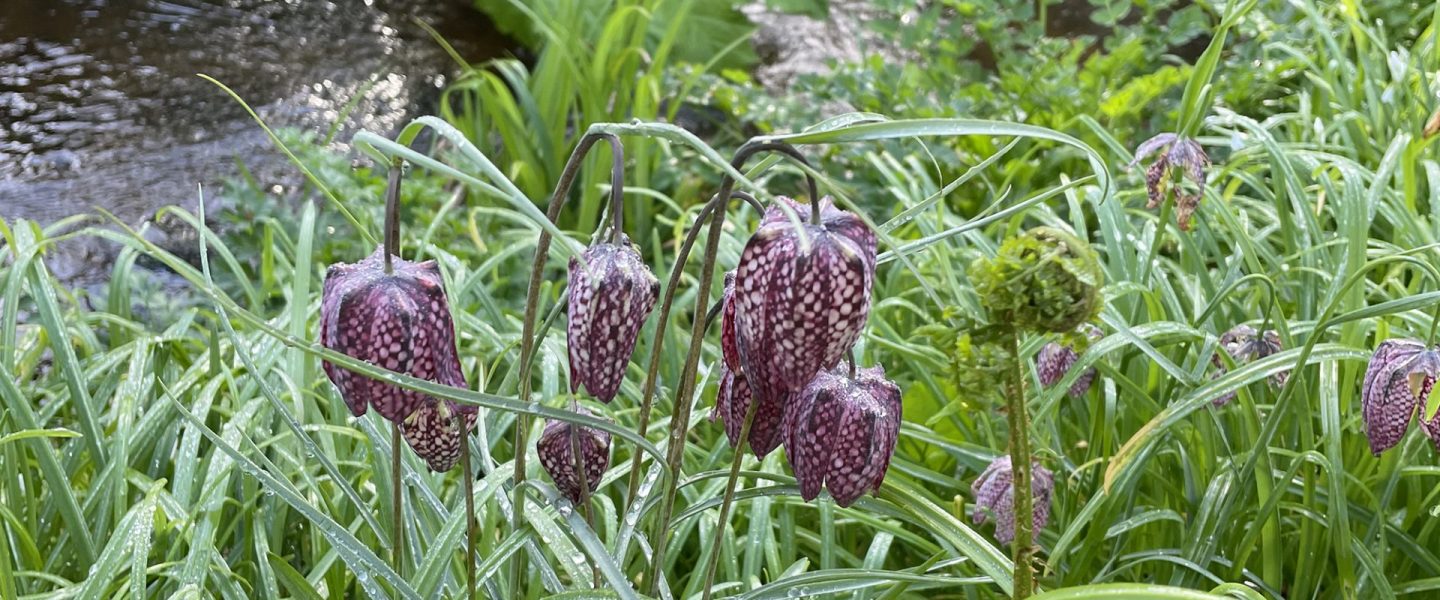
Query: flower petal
(799, 311)
(1152, 145)
(1386, 400)
(609, 302)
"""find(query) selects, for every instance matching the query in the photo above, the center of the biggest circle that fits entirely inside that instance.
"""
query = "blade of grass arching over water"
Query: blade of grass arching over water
(295, 160)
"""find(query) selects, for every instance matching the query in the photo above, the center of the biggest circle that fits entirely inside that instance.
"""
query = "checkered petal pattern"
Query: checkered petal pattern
(557, 455)
(840, 433)
(798, 311)
(609, 302)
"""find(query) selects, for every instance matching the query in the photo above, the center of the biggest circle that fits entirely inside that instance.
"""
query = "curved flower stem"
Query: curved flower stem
(685, 396)
(719, 536)
(472, 528)
(392, 248)
(397, 527)
(532, 299)
(1020, 469)
(392, 213)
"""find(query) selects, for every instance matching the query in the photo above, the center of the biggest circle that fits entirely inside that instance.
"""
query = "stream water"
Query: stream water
(101, 105)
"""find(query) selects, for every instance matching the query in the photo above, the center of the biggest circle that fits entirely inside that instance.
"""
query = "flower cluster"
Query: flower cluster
(612, 291)
(398, 319)
(792, 310)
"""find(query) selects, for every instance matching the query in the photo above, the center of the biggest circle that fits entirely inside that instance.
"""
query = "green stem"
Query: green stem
(472, 527)
(719, 538)
(651, 374)
(1020, 473)
(578, 457)
(397, 527)
(392, 213)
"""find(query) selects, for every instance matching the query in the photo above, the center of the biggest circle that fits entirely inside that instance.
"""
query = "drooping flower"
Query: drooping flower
(840, 433)
(995, 496)
(1043, 280)
(399, 321)
(1055, 360)
(731, 402)
(558, 459)
(1397, 383)
(798, 311)
(1245, 345)
(434, 432)
(608, 303)
(1173, 152)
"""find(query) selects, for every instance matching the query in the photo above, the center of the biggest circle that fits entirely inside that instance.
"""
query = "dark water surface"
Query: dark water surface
(100, 105)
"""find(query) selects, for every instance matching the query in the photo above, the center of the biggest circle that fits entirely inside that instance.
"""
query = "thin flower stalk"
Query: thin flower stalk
(532, 299)
(667, 300)
(1022, 548)
(729, 498)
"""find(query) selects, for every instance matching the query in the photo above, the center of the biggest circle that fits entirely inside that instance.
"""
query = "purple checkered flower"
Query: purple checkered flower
(1173, 152)
(995, 496)
(399, 321)
(1397, 383)
(840, 433)
(558, 459)
(798, 311)
(608, 304)
(1055, 360)
(731, 402)
(1245, 345)
(434, 432)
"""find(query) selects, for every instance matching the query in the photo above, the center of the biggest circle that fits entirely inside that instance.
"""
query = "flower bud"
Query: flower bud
(731, 403)
(1397, 383)
(1245, 345)
(398, 321)
(1055, 359)
(1172, 153)
(840, 433)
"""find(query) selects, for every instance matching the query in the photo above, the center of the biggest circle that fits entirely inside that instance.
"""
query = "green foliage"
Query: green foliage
(214, 459)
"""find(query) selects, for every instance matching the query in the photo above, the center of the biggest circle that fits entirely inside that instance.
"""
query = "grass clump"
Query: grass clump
(202, 453)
